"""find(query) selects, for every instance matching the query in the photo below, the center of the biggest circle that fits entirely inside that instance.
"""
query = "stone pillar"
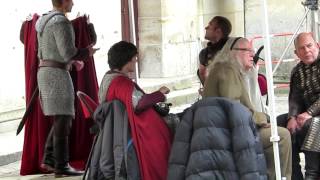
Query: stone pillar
(168, 36)
(231, 9)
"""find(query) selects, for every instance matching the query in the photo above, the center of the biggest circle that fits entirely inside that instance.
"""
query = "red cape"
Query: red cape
(150, 134)
(37, 125)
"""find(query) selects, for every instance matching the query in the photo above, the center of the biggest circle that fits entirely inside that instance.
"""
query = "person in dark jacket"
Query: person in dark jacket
(217, 139)
(217, 33)
(304, 105)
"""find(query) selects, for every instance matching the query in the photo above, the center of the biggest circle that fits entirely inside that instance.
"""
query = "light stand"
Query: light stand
(313, 6)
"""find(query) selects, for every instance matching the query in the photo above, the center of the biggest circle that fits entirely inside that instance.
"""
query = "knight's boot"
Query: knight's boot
(62, 125)
(312, 165)
(61, 153)
(47, 163)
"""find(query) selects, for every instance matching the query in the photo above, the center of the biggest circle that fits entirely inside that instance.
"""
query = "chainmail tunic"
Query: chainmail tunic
(304, 93)
(105, 83)
(56, 42)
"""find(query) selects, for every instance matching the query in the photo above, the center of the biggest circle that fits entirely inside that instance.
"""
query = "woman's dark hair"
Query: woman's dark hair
(120, 54)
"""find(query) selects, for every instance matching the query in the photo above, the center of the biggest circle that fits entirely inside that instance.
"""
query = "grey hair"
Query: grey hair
(301, 35)
(227, 55)
(250, 77)
(252, 85)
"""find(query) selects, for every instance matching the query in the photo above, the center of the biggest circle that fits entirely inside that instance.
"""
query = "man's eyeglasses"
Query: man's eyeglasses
(244, 49)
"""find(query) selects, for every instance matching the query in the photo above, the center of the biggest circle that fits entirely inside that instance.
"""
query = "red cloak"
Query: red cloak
(151, 136)
(37, 125)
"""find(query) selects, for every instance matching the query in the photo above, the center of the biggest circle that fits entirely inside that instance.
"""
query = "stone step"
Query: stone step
(9, 120)
(184, 96)
(11, 147)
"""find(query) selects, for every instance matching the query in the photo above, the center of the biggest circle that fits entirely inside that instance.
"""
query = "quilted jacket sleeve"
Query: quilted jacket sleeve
(246, 144)
(180, 151)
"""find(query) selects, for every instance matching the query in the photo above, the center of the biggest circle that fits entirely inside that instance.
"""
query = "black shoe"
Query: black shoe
(67, 171)
(312, 164)
(308, 177)
(61, 154)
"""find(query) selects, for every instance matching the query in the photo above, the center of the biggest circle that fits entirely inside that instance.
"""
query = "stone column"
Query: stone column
(231, 9)
(169, 41)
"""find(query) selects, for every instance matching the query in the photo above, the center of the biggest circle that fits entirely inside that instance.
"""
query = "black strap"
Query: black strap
(234, 42)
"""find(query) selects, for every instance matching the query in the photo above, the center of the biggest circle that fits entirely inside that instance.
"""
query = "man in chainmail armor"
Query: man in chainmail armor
(56, 51)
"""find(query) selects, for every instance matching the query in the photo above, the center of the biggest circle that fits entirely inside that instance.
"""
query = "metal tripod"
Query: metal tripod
(312, 6)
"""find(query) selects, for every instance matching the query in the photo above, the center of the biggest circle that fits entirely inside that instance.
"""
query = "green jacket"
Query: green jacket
(225, 80)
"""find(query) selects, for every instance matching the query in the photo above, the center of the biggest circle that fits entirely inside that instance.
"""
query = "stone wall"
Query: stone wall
(168, 38)
(172, 33)
(232, 9)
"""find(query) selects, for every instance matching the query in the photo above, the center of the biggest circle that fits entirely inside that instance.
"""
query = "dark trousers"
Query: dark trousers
(56, 152)
(297, 141)
(312, 159)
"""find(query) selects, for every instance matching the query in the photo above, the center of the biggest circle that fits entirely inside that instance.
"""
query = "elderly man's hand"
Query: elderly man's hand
(292, 125)
(302, 118)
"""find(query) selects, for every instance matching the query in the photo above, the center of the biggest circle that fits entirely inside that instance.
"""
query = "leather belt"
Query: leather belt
(54, 64)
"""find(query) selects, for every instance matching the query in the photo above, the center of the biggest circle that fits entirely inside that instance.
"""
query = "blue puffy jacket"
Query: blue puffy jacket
(217, 139)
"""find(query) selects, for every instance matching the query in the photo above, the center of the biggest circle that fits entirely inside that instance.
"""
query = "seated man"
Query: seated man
(227, 79)
(304, 103)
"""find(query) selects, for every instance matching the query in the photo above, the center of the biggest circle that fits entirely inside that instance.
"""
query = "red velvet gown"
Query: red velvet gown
(37, 125)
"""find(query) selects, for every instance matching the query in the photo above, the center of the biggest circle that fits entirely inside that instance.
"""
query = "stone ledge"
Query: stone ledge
(153, 84)
(10, 125)
(185, 96)
(10, 120)
(10, 158)
(12, 115)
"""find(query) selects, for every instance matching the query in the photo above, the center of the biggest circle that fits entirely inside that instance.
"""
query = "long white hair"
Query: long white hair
(250, 77)
(226, 55)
